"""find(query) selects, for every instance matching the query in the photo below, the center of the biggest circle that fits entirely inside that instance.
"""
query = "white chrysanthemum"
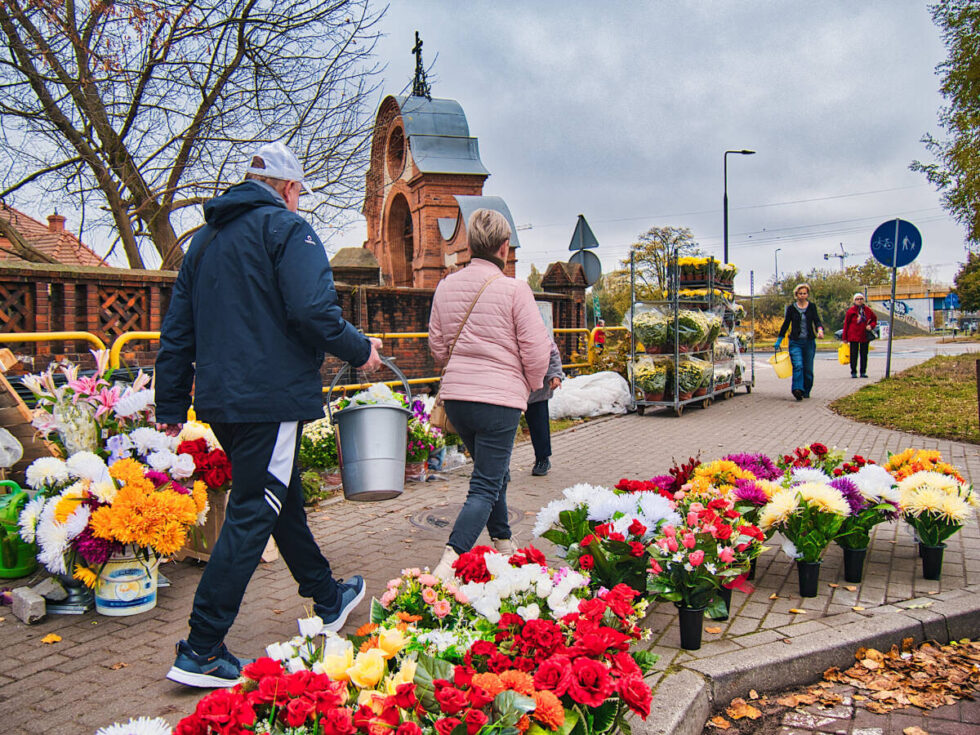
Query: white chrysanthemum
(809, 474)
(955, 509)
(88, 466)
(29, 518)
(934, 480)
(47, 472)
(52, 542)
(548, 515)
(104, 492)
(606, 504)
(824, 497)
(138, 726)
(654, 510)
(161, 460)
(779, 508)
(582, 493)
(149, 440)
(77, 521)
(132, 402)
(875, 483)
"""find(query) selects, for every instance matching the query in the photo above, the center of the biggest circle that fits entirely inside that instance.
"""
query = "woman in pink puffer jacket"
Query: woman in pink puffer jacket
(500, 356)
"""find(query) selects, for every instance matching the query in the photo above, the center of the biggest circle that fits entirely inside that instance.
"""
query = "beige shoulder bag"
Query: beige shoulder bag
(438, 417)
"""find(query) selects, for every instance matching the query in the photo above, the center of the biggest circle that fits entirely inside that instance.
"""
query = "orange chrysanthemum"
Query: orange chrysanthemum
(523, 724)
(520, 681)
(548, 709)
(370, 643)
(85, 575)
(366, 629)
(65, 507)
(406, 618)
(200, 495)
(490, 682)
(126, 470)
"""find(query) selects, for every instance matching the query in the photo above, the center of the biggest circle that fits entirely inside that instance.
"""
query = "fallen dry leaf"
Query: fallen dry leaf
(832, 585)
(2, 619)
(739, 708)
(712, 629)
(795, 700)
(787, 640)
(277, 611)
(857, 608)
(859, 698)
(850, 588)
(797, 611)
(753, 694)
(914, 731)
(773, 596)
(869, 664)
(118, 665)
(720, 722)
(51, 638)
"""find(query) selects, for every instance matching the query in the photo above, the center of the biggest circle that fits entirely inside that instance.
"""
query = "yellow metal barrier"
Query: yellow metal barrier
(14, 337)
(121, 341)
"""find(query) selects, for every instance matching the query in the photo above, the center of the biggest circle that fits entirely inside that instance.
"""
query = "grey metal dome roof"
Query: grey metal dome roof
(468, 205)
(439, 136)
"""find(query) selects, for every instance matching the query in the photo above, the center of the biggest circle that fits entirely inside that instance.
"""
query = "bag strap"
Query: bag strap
(463, 323)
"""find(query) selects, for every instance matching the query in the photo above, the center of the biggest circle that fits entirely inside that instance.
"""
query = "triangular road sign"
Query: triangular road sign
(583, 236)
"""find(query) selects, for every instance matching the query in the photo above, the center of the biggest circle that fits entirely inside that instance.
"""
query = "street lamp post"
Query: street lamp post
(743, 152)
(775, 255)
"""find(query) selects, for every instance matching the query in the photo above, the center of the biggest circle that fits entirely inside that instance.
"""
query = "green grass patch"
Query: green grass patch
(937, 398)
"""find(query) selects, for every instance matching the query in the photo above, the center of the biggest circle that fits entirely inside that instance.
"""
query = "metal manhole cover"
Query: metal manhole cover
(444, 516)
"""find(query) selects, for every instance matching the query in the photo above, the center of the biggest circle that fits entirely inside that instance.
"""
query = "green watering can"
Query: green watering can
(17, 557)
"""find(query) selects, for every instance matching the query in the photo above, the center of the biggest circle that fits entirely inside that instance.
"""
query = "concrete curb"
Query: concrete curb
(684, 699)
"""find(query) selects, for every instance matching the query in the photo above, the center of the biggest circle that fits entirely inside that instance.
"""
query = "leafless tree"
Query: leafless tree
(137, 111)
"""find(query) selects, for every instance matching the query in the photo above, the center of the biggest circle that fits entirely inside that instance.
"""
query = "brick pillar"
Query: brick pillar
(92, 320)
(68, 306)
(156, 316)
(42, 316)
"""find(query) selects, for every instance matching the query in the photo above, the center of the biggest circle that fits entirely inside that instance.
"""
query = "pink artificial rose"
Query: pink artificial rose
(689, 541)
(441, 608)
(461, 598)
(727, 555)
(427, 580)
(388, 597)
(692, 519)
(672, 545)
(429, 595)
(669, 531)
(394, 584)
(696, 558)
(655, 567)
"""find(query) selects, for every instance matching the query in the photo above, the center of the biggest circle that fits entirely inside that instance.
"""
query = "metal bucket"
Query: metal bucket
(127, 584)
(371, 444)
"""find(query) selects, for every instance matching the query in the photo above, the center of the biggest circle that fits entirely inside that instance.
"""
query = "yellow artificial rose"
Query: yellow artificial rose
(405, 675)
(368, 669)
(390, 641)
(336, 666)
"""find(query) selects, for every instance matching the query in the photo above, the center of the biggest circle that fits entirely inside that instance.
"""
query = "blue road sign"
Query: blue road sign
(883, 243)
(952, 301)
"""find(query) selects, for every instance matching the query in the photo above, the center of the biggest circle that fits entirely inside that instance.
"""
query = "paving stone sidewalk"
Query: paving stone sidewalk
(109, 669)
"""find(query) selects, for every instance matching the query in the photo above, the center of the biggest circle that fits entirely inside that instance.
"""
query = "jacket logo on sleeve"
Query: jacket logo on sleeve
(309, 240)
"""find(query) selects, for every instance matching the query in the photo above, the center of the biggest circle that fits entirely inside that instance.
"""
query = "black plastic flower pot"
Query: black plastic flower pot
(809, 573)
(751, 574)
(691, 620)
(932, 561)
(854, 564)
(726, 595)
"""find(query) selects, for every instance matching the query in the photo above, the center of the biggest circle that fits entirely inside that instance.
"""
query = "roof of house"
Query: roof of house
(52, 239)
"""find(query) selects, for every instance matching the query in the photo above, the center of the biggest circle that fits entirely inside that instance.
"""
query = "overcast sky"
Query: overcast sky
(622, 111)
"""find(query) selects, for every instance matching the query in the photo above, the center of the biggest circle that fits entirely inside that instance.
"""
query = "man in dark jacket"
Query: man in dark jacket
(252, 313)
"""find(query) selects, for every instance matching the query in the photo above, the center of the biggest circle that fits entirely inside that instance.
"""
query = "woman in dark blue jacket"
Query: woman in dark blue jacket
(804, 325)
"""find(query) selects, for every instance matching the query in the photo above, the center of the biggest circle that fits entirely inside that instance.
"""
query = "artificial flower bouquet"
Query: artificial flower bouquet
(378, 394)
(423, 439)
(78, 413)
(910, 461)
(872, 497)
(211, 464)
(606, 532)
(809, 515)
(710, 548)
(86, 511)
(814, 455)
(935, 504)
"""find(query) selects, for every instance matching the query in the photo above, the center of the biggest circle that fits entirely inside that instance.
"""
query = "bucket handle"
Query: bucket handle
(388, 362)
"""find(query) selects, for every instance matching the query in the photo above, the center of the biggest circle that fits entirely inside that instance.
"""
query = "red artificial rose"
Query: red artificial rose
(499, 663)
(722, 532)
(446, 725)
(637, 549)
(191, 725)
(592, 609)
(624, 665)
(472, 566)
(483, 648)
(586, 540)
(620, 600)
(451, 700)
(636, 694)
(463, 676)
(195, 447)
(545, 635)
(225, 710)
(534, 556)
(271, 690)
(818, 449)
(602, 530)
(718, 504)
(527, 665)
(297, 711)
(405, 696)
(474, 719)
(636, 528)
(262, 667)
(616, 536)
(554, 674)
(586, 561)
(409, 728)
(479, 697)
(591, 684)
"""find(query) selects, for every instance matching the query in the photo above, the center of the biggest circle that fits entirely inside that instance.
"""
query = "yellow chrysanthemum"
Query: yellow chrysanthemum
(68, 502)
(779, 508)
(769, 487)
(931, 479)
(85, 575)
(127, 471)
(721, 473)
(955, 509)
(824, 497)
(916, 501)
(200, 495)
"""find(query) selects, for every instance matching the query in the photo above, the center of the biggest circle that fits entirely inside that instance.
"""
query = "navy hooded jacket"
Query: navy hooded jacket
(251, 316)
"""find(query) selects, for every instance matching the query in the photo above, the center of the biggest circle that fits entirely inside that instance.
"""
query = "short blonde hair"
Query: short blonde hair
(799, 286)
(487, 230)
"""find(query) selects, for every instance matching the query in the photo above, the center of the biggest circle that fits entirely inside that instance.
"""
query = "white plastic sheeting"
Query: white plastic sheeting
(590, 395)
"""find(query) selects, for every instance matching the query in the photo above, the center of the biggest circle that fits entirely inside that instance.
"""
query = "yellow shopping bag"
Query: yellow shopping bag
(844, 354)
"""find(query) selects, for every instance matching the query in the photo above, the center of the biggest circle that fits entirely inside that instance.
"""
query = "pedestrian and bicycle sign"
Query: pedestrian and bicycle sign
(896, 231)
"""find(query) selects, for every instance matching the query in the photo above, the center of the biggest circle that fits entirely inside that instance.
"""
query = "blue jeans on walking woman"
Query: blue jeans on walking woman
(801, 353)
(488, 434)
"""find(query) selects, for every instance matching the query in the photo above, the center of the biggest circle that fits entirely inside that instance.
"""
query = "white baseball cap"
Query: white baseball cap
(278, 162)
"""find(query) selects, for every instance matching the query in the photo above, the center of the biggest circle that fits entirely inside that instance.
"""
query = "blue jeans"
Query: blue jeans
(539, 426)
(801, 353)
(488, 433)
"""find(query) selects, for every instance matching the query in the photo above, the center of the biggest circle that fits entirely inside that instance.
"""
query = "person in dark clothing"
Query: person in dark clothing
(536, 415)
(252, 313)
(804, 326)
(859, 324)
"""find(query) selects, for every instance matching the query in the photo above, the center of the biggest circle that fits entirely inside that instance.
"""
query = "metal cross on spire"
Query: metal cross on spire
(420, 86)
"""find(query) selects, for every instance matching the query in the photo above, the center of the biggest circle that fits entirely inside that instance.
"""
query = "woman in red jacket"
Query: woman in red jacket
(859, 323)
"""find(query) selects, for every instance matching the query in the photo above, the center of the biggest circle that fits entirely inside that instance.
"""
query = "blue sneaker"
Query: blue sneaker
(351, 593)
(219, 669)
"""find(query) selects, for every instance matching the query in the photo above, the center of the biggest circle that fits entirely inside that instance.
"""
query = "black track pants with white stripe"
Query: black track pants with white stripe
(266, 498)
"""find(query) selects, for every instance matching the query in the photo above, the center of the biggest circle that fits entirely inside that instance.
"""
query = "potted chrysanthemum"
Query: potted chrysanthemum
(936, 505)
(809, 515)
(871, 494)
